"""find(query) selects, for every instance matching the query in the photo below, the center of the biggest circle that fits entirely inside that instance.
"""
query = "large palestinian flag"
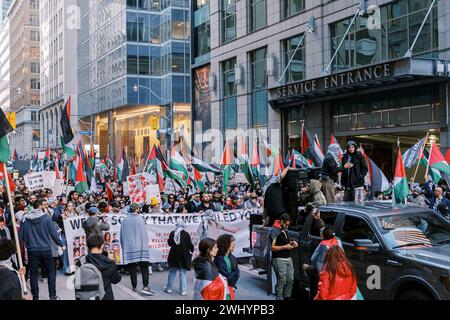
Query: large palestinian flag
(66, 128)
(5, 128)
(211, 286)
(401, 187)
(437, 160)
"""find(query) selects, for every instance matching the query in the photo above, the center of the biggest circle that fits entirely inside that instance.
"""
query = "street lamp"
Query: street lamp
(169, 119)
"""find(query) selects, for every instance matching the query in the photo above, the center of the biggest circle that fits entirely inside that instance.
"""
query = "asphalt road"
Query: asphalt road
(251, 286)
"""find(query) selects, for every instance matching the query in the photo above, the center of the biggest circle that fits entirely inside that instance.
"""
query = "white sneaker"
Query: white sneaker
(183, 294)
(150, 270)
(147, 291)
(167, 290)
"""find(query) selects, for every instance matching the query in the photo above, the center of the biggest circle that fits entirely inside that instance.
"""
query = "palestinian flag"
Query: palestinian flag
(209, 286)
(434, 173)
(376, 177)
(244, 164)
(74, 167)
(168, 172)
(92, 157)
(86, 164)
(267, 149)
(5, 128)
(12, 185)
(81, 184)
(437, 160)
(110, 192)
(297, 160)
(400, 185)
(227, 163)
(203, 166)
(177, 163)
(311, 148)
(47, 154)
(67, 150)
(414, 154)
(57, 172)
(447, 156)
(35, 162)
(278, 164)
(122, 168)
(66, 128)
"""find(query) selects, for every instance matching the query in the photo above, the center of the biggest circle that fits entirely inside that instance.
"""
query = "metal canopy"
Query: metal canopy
(384, 76)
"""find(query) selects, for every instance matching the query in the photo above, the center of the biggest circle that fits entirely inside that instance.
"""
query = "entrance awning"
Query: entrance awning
(380, 77)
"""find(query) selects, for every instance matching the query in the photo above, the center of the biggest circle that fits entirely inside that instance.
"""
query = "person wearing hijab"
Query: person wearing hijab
(355, 170)
(180, 257)
(329, 172)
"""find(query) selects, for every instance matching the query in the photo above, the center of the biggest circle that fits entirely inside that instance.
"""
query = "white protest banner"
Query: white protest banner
(153, 191)
(49, 179)
(137, 185)
(34, 181)
(159, 227)
(58, 188)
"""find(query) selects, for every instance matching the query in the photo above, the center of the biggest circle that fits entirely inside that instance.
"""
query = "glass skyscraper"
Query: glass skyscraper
(133, 63)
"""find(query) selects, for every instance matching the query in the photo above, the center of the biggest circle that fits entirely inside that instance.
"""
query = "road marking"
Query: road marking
(129, 292)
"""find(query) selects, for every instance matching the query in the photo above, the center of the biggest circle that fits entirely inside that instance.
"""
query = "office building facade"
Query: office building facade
(265, 72)
(133, 64)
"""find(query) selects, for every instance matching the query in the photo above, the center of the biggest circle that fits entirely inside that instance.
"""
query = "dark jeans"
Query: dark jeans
(133, 273)
(45, 260)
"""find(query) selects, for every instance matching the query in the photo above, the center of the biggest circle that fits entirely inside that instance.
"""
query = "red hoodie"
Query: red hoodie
(344, 287)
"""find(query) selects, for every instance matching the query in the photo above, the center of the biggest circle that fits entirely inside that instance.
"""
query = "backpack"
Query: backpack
(88, 282)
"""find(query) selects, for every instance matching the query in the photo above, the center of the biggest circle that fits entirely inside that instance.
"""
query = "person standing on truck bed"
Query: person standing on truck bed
(355, 171)
(329, 172)
(273, 199)
(281, 258)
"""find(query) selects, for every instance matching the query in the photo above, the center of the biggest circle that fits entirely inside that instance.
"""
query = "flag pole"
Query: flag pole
(428, 162)
(14, 223)
(421, 154)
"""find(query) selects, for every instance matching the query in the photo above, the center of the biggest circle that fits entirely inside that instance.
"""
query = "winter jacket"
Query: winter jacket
(354, 177)
(38, 232)
(180, 256)
(134, 239)
(93, 225)
(432, 198)
(58, 217)
(315, 195)
(209, 284)
(109, 271)
(343, 288)
(330, 168)
(233, 275)
(10, 288)
(318, 257)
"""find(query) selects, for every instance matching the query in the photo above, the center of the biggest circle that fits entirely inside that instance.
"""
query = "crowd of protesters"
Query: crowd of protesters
(40, 217)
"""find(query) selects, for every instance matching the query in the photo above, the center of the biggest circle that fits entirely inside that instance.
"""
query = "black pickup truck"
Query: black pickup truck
(398, 252)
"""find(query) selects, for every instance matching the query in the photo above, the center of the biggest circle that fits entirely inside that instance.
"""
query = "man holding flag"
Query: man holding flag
(329, 172)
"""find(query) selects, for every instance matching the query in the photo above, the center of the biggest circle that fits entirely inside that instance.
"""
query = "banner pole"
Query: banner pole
(421, 154)
(14, 223)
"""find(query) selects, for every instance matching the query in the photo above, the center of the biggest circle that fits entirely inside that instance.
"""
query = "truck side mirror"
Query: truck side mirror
(366, 245)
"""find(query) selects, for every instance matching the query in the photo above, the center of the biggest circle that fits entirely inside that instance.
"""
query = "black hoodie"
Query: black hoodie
(354, 177)
(108, 268)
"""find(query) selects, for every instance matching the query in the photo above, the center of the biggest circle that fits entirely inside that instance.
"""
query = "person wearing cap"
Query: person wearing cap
(417, 197)
(354, 173)
(154, 206)
(95, 224)
(282, 262)
(134, 240)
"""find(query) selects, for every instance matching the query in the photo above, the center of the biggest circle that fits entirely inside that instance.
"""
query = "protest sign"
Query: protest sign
(49, 179)
(137, 186)
(58, 188)
(34, 181)
(153, 191)
(159, 227)
(171, 187)
(239, 178)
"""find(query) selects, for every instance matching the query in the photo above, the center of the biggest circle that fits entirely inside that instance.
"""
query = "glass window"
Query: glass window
(228, 20)
(180, 25)
(132, 59)
(178, 61)
(143, 28)
(357, 229)
(292, 7)
(296, 70)
(229, 94)
(258, 14)
(400, 23)
(178, 88)
(155, 28)
(202, 44)
(131, 3)
(132, 93)
(132, 26)
(144, 4)
(156, 61)
(144, 60)
(259, 84)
